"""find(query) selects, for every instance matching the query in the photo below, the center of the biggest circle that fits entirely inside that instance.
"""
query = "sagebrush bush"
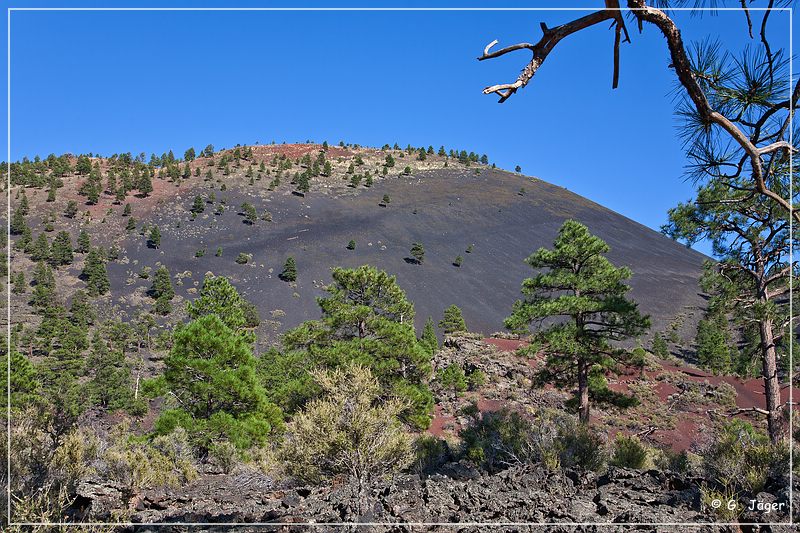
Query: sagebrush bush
(430, 452)
(349, 430)
(741, 459)
(497, 440)
(629, 452)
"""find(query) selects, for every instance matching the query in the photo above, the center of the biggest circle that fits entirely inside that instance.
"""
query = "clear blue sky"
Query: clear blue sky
(151, 81)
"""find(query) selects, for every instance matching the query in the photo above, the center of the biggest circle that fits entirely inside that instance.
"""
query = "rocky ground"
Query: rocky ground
(460, 494)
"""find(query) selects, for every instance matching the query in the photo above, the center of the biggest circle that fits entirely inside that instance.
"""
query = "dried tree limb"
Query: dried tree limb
(747, 16)
(780, 145)
(540, 50)
(683, 69)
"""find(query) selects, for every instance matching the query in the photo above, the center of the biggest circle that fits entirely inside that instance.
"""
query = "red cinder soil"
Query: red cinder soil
(441, 423)
(506, 345)
(486, 405)
(689, 423)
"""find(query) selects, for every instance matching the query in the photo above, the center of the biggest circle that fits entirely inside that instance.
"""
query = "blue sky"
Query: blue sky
(151, 81)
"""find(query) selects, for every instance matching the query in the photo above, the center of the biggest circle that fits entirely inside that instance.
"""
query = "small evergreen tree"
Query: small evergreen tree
(154, 239)
(95, 273)
(428, 338)
(61, 251)
(84, 242)
(145, 184)
(162, 284)
(40, 250)
(18, 223)
(289, 272)
(18, 284)
(71, 210)
(250, 213)
(351, 245)
(659, 347)
(452, 321)
(198, 206)
(418, 252)
(211, 371)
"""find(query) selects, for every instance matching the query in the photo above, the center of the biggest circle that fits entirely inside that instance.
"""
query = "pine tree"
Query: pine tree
(44, 285)
(120, 193)
(211, 371)
(95, 274)
(81, 311)
(25, 240)
(189, 154)
(303, 184)
(93, 194)
(418, 252)
(162, 284)
(126, 211)
(24, 206)
(111, 183)
(154, 239)
(145, 184)
(71, 210)
(111, 387)
(198, 206)
(84, 243)
(18, 284)
(659, 347)
(351, 245)
(40, 250)
(452, 321)
(428, 338)
(289, 272)
(714, 349)
(61, 251)
(18, 223)
(585, 293)
(219, 297)
(367, 319)
(250, 213)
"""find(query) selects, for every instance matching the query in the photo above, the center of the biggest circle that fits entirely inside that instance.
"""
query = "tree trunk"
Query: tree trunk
(583, 391)
(772, 387)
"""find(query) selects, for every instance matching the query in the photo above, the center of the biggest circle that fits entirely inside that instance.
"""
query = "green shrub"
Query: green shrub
(452, 378)
(243, 258)
(430, 452)
(741, 458)
(629, 452)
(581, 448)
(225, 455)
(348, 430)
(476, 379)
(497, 440)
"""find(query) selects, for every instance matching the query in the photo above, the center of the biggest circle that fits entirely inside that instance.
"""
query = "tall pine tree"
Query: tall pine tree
(585, 294)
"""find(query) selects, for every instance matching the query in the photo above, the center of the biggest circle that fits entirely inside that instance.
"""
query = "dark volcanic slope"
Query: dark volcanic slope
(446, 210)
